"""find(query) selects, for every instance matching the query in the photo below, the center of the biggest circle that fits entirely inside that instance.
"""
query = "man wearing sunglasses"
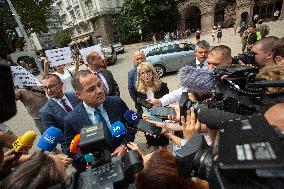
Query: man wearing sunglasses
(58, 105)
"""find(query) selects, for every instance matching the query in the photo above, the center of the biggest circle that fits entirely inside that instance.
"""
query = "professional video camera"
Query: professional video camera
(250, 155)
(246, 57)
(105, 172)
(237, 91)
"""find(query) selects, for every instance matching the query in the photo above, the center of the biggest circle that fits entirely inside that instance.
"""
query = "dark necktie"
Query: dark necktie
(200, 65)
(101, 119)
(102, 82)
(65, 105)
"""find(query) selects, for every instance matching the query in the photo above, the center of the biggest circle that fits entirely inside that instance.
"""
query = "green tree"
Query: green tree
(152, 16)
(61, 39)
(33, 14)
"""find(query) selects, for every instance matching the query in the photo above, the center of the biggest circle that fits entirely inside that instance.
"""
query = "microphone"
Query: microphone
(134, 119)
(214, 118)
(23, 144)
(74, 146)
(131, 117)
(49, 139)
(118, 129)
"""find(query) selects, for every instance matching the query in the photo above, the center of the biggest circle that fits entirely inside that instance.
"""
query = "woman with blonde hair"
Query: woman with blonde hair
(149, 86)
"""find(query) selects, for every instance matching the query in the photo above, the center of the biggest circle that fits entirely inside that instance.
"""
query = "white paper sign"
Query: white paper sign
(96, 48)
(22, 77)
(59, 56)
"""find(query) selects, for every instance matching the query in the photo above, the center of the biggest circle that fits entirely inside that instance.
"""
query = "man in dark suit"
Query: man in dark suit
(201, 53)
(95, 108)
(59, 104)
(95, 65)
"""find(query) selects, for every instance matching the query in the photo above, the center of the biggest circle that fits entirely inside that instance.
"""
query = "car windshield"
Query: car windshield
(116, 45)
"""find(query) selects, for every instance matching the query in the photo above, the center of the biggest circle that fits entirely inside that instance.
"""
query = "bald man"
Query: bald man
(96, 66)
(275, 115)
(138, 57)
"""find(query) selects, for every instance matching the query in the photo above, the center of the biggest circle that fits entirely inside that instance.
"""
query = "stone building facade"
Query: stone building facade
(205, 14)
(90, 21)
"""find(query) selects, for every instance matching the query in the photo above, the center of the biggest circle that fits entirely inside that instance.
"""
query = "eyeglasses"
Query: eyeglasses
(50, 86)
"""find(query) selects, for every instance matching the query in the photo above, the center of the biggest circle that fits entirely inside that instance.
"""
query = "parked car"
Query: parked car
(169, 57)
(110, 55)
(118, 47)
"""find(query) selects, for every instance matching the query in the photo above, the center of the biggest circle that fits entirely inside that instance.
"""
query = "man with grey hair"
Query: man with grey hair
(201, 53)
(95, 65)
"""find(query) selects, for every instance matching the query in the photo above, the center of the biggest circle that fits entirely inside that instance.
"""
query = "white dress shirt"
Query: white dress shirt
(173, 97)
(205, 64)
(91, 114)
(59, 102)
(102, 77)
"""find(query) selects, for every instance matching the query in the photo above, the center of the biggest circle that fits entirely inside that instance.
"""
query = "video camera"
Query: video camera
(246, 57)
(250, 155)
(105, 172)
(237, 91)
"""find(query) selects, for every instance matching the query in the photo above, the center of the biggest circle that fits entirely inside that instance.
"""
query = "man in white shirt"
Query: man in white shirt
(201, 53)
(65, 75)
(218, 56)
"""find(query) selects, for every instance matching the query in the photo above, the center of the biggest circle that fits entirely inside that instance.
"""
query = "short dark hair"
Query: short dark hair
(267, 43)
(278, 49)
(202, 44)
(48, 76)
(39, 171)
(224, 50)
(76, 79)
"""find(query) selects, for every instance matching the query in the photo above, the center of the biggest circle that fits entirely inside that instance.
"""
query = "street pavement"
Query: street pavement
(22, 122)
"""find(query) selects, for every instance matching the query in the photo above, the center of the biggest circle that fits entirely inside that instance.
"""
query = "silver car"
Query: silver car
(169, 57)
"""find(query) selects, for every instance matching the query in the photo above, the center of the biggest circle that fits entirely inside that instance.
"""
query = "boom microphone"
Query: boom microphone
(49, 139)
(214, 118)
(23, 144)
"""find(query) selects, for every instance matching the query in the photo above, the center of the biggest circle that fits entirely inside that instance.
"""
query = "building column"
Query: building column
(282, 12)
(207, 21)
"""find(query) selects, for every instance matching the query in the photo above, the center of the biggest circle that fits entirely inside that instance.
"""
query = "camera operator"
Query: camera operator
(218, 56)
(278, 52)
(263, 51)
(275, 116)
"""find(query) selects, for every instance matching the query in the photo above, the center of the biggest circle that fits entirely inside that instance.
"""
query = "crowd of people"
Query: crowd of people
(80, 98)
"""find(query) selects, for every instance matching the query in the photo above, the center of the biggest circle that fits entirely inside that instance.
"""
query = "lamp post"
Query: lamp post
(24, 33)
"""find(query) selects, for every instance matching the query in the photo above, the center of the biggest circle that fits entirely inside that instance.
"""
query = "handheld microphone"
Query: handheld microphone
(134, 119)
(118, 129)
(49, 139)
(131, 117)
(23, 144)
(214, 118)
(74, 146)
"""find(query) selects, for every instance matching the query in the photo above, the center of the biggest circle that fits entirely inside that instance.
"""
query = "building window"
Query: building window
(78, 12)
(88, 6)
(72, 15)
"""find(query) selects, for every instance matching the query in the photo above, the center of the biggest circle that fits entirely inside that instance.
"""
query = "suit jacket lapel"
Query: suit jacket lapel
(57, 108)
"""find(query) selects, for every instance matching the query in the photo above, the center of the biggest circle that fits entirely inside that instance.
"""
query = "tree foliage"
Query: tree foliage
(152, 16)
(61, 39)
(33, 15)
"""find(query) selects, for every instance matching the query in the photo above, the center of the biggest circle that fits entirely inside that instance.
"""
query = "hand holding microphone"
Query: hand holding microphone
(23, 144)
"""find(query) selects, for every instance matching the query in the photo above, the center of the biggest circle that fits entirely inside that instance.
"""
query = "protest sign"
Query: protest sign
(59, 56)
(96, 48)
(22, 77)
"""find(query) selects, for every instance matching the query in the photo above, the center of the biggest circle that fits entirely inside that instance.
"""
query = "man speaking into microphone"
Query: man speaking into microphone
(95, 108)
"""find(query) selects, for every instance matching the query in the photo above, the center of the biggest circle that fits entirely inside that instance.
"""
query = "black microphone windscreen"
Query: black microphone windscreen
(7, 95)
(213, 118)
